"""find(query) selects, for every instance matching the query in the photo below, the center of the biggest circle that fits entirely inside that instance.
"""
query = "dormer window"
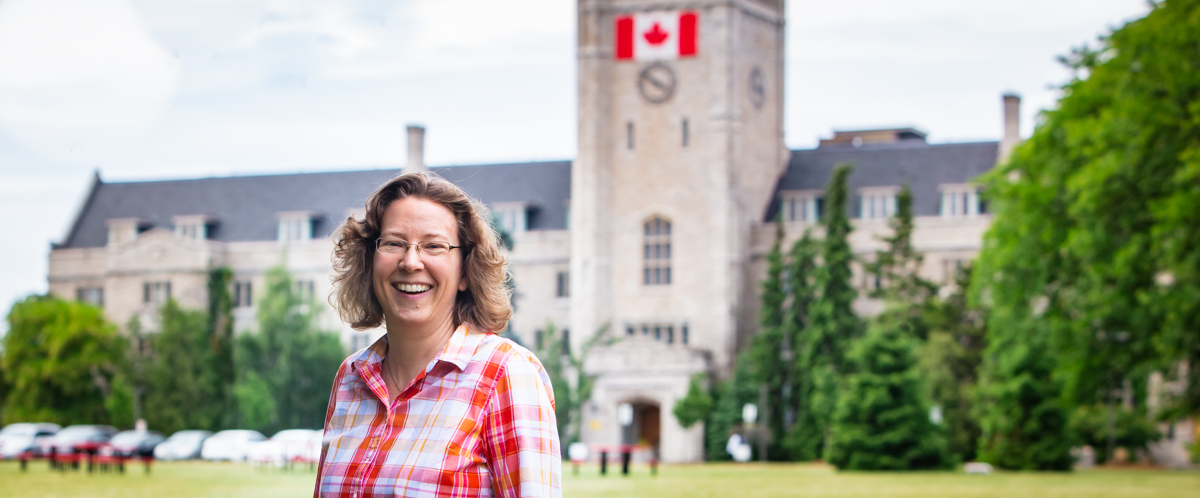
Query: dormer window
(295, 225)
(123, 230)
(877, 203)
(801, 205)
(194, 227)
(511, 216)
(960, 200)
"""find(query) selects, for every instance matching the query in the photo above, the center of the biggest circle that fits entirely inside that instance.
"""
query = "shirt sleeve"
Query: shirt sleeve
(520, 433)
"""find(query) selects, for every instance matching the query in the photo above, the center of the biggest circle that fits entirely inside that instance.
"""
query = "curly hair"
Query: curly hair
(486, 302)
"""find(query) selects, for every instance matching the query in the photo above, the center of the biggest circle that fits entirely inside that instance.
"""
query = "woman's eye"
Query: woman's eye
(435, 247)
(392, 244)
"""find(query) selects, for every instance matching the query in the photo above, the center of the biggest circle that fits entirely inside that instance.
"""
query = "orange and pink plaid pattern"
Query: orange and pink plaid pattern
(479, 421)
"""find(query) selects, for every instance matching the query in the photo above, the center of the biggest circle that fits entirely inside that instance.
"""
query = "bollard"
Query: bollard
(625, 457)
(603, 462)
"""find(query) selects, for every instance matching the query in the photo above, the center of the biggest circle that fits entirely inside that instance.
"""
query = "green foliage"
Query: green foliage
(1096, 215)
(696, 405)
(1023, 421)
(289, 355)
(60, 357)
(831, 326)
(882, 419)
(223, 374)
(949, 359)
(180, 392)
(550, 352)
(1131, 430)
(898, 267)
(726, 417)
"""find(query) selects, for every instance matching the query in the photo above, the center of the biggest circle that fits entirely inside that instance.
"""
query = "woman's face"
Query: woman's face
(418, 290)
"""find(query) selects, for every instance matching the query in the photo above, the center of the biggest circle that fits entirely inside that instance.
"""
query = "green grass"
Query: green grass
(197, 479)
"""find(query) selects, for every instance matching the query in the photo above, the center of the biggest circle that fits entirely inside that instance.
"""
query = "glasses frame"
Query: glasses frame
(417, 245)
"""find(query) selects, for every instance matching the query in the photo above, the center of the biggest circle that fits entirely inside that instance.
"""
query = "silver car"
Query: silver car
(182, 445)
(16, 439)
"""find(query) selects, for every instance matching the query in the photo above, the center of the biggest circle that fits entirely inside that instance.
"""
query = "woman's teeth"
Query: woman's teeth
(413, 288)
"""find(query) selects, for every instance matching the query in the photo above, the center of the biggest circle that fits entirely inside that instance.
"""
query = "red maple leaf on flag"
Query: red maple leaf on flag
(656, 35)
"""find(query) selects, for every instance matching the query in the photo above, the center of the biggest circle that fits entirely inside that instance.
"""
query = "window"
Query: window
(683, 334)
(877, 203)
(566, 342)
(802, 206)
(629, 135)
(960, 200)
(191, 227)
(663, 332)
(656, 252)
(950, 269)
(156, 292)
(360, 341)
(295, 226)
(562, 287)
(304, 290)
(90, 295)
(243, 295)
(685, 133)
(512, 217)
(670, 334)
(122, 230)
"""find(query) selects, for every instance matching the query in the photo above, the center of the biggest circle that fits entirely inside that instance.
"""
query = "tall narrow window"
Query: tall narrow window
(90, 295)
(156, 292)
(243, 296)
(656, 252)
(629, 135)
(683, 334)
(685, 133)
(566, 342)
(562, 286)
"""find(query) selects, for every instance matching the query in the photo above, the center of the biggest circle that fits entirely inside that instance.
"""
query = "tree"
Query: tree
(60, 357)
(222, 374)
(831, 324)
(695, 405)
(1091, 250)
(1091, 425)
(950, 358)
(771, 350)
(178, 391)
(897, 269)
(549, 350)
(285, 369)
(882, 421)
(726, 417)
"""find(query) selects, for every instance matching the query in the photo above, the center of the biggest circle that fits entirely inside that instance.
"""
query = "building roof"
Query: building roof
(923, 167)
(245, 208)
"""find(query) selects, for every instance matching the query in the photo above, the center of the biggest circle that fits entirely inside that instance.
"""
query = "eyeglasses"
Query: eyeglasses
(426, 248)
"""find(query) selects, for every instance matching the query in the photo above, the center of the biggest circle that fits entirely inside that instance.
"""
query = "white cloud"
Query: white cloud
(79, 75)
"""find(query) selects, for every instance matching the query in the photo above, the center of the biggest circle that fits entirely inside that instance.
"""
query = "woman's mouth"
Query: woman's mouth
(412, 288)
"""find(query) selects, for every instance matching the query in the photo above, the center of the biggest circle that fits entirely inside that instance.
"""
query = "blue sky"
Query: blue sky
(150, 89)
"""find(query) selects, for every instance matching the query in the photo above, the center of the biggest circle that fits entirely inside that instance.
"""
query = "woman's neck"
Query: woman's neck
(410, 349)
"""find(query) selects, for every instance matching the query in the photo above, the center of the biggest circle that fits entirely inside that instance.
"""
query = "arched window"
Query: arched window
(656, 252)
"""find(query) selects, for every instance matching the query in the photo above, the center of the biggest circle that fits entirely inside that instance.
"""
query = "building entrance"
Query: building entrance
(646, 428)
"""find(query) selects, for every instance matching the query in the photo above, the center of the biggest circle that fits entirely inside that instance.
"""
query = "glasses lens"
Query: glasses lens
(392, 246)
(435, 248)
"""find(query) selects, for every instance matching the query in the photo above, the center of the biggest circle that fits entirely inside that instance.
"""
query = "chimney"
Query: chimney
(1012, 125)
(416, 149)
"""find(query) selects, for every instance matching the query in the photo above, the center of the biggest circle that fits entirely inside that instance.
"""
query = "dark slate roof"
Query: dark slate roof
(920, 165)
(245, 207)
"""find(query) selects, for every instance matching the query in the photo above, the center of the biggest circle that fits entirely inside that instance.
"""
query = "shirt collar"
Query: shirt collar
(458, 350)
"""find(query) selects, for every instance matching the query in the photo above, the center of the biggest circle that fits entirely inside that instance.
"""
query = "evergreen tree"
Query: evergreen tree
(286, 368)
(950, 360)
(882, 421)
(801, 440)
(178, 392)
(897, 268)
(770, 351)
(222, 374)
(60, 358)
(726, 416)
(831, 324)
(695, 405)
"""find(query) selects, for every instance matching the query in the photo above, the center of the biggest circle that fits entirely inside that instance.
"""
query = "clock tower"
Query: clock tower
(680, 147)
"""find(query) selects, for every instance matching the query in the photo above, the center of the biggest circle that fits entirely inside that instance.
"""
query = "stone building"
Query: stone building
(655, 232)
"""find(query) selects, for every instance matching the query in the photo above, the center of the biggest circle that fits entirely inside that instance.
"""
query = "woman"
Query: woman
(439, 406)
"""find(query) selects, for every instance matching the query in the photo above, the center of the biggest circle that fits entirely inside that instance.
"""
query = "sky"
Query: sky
(161, 89)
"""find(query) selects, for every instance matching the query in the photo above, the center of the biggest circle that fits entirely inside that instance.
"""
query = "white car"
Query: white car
(16, 439)
(289, 445)
(229, 445)
(182, 445)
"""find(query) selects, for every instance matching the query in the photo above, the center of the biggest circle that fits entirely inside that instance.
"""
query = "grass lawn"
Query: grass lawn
(195, 479)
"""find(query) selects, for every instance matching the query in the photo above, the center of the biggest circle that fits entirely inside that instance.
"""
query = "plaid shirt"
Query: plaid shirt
(479, 421)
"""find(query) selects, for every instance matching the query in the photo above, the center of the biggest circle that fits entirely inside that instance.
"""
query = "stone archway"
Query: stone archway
(646, 428)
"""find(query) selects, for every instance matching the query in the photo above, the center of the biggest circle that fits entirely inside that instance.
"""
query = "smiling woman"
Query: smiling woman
(440, 405)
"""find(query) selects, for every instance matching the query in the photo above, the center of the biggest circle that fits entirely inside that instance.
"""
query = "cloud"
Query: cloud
(79, 75)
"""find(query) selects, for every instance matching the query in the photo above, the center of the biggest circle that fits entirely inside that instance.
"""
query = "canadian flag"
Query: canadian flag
(656, 36)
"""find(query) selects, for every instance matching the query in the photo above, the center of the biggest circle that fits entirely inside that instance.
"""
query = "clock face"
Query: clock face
(656, 83)
(758, 88)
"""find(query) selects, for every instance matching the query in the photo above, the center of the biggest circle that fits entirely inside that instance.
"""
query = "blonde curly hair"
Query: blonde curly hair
(486, 302)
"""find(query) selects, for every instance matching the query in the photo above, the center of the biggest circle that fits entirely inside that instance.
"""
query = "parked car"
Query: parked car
(80, 439)
(16, 439)
(182, 445)
(289, 445)
(229, 445)
(135, 443)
